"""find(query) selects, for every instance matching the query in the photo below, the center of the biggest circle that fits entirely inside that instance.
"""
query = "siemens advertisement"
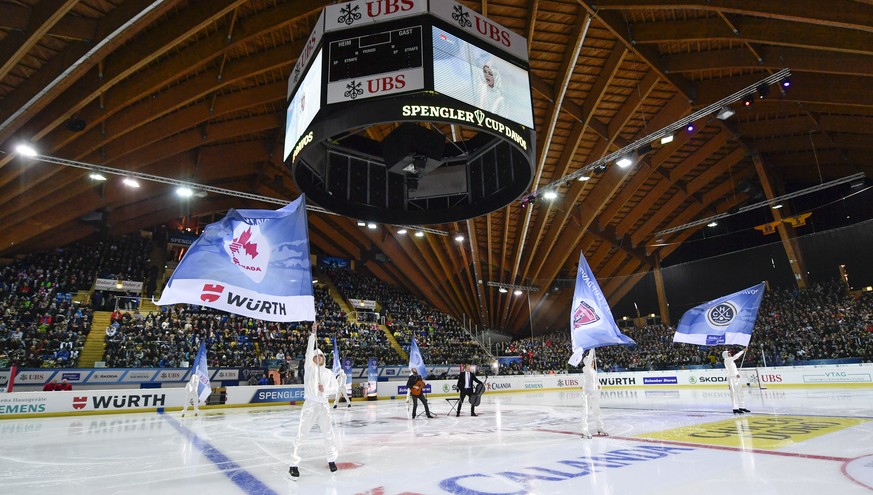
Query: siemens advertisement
(479, 78)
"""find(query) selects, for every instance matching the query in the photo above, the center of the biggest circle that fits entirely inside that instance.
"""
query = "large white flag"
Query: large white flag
(415, 359)
(728, 320)
(253, 263)
(591, 321)
(202, 371)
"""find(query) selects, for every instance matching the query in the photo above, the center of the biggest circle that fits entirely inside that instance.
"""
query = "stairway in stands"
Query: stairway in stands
(95, 344)
(350, 314)
(146, 306)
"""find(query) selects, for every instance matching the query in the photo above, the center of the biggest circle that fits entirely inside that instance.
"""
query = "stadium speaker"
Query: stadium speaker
(411, 144)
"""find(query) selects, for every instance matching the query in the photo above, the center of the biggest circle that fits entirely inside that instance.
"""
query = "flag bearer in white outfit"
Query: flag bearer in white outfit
(318, 384)
(341, 379)
(733, 377)
(191, 395)
(591, 396)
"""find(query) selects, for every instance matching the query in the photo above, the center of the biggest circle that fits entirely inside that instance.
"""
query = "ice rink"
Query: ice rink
(797, 441)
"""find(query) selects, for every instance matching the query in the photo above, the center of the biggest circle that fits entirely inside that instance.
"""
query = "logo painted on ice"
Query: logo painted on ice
(721, 315)
(584, 314)
(249, 251)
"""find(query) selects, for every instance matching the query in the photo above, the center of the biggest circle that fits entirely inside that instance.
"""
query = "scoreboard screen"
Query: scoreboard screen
(377, 53)
(480, 78)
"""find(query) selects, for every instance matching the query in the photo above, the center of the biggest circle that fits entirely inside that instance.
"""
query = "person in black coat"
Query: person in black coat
(413, 379)
(466, 387)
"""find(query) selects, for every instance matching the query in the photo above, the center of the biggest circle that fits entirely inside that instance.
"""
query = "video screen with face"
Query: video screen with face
(477, 77)
(304, 105)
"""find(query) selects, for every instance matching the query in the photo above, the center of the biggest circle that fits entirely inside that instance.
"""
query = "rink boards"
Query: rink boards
(29, 404)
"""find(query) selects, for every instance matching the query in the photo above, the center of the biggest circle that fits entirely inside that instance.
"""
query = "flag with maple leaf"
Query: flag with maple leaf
(252, 263)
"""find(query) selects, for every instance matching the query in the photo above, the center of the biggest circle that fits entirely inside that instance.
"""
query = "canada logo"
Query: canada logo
(584, 314)
(249, 250)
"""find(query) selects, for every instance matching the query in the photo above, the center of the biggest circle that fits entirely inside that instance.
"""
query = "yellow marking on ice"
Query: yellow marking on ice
(758, 432)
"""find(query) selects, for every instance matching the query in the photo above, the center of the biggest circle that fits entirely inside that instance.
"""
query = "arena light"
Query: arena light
(26, 149)
(725, 113)
(712, 224)
(625, 161)
(583, 178)
(402, 231)
(667, 139)
(459, 238)
(96, 176)
(185, 192)
(419, 234)
(371, 226)
(127, 181)
(777, 206)
(518, 292)
(362, 223)
(550, 195)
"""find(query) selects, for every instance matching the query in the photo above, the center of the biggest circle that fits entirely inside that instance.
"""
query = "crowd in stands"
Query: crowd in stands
(821, 322)
(40, 326)
(440, 338)
(172, 338)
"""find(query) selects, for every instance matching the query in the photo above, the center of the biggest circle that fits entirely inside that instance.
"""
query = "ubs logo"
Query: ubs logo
(461, 17)
(349, 14)
(353, 90)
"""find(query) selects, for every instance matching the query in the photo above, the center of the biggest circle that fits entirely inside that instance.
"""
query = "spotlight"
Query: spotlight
(624, 162)
(184, 192)
(419, 234)
(502, 290)
(690, 128)
(371, 226)
(402, 231)
(518, 292)
(550, 195)
(26, 149)
(712, 224)
(644, 149)
(130, 182)
(725, 113)
(763, 91)
(776, 206)
(96, 176)
(583, 178)
(362, 223)
(747, 101)
(667, 139)
(786, 83)
(600, 169)
(459, 238)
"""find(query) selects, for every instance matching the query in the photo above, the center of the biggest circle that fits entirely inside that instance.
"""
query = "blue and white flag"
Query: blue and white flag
(415, 359)
(202, 372)
(591, 321)
(727, 320)
(337, 364)
(252, 263)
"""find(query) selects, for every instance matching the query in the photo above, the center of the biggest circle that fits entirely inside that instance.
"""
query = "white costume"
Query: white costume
(733, 377)
(316, 407)
(341, 389)
(191, 395)
(491, 90)
(591, 396)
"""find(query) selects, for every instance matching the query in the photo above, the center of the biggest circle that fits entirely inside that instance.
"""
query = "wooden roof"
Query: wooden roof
(196, 91)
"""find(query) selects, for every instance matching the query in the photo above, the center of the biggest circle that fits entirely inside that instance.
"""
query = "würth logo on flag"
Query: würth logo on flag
(211, 292)
(249, 251)
(584, 315)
